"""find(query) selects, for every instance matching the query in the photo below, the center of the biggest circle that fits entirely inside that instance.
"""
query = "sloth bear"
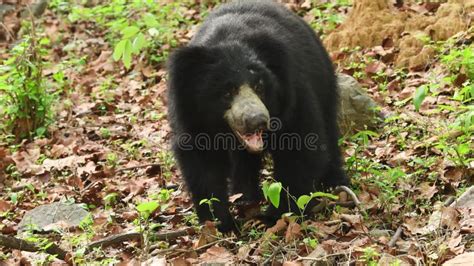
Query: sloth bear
(254, 79)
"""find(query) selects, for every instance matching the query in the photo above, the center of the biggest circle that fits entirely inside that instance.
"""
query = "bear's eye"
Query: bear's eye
(252, 70)
(228, 94)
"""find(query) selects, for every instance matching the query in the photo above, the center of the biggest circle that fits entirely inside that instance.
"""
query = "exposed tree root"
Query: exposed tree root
(20, 244)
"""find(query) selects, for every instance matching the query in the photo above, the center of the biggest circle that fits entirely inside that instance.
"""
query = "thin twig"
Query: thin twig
(122, 237)
(322, 258)
(7, 30)
(214, 242)
(172, 235)
(396, 236)
(137, 167)
(114, 239)
(157, 251)
(20, 244)
(269, 259)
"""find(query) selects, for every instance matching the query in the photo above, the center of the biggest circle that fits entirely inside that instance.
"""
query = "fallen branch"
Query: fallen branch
(395, 237)
(322, 259)
(272, 256)
(172, 235)
(137, 167)
(127, 236)
(20, 244)
(114, 239)
(157, 251)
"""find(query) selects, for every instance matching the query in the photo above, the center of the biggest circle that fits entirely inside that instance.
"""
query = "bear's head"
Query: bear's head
(228, 87)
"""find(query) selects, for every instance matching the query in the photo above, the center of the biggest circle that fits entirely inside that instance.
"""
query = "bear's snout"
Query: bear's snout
(256, 121)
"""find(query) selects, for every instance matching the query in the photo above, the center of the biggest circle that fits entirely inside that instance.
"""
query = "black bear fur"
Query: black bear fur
(262, 44)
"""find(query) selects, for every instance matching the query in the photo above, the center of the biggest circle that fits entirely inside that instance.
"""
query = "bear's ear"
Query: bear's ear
(271, 52)
(189, 67)
(185, 60)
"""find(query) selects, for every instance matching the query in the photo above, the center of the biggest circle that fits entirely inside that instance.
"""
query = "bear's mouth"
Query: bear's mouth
(253, 142)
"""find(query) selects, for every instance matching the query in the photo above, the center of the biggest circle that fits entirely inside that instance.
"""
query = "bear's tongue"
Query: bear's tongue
(254, 141)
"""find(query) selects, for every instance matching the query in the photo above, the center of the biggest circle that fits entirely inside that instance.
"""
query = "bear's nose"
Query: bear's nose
(256, 122)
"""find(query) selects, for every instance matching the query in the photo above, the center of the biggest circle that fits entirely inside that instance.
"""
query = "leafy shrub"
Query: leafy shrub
(25, 102)
(137, 27)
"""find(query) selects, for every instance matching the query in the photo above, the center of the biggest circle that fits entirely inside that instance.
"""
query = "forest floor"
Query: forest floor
(107, 144)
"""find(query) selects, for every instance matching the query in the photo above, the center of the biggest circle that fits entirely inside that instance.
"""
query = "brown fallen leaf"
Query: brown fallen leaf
(454, 243)
(467, 220)
(5, 206)
(70, 162)
(293, 232)
(103, 63)
(25, 161)
(217, 255)
(279, 227)
(208, 234)
(400, 158)
(130, 215)
(426, 191)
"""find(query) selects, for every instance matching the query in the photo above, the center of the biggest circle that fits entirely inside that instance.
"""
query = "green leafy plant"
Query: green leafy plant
(167, 163)
(104, 132)
(370, 256)
(310, 242)
(419, 96)
(132, 42)
(145, 209)
(271, 191)
(25, 102)
(163, 197)
(112, 159)
(110, 199)
(303, 200)
(151, 33)
(43, 244)
(210, 203)
(326, 15)
(460, 60)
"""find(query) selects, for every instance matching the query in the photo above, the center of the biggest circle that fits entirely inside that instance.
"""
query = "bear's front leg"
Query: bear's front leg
(301, 172)
(205, 173)
(245, 176)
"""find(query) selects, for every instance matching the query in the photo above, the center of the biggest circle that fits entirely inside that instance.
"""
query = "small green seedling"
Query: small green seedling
(145, 209)
(271, 191)
(303, 200)
(209, 203)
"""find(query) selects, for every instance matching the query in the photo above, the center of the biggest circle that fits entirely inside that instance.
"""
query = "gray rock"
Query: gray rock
(357, 110)
(47, 217)
(466, 200)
